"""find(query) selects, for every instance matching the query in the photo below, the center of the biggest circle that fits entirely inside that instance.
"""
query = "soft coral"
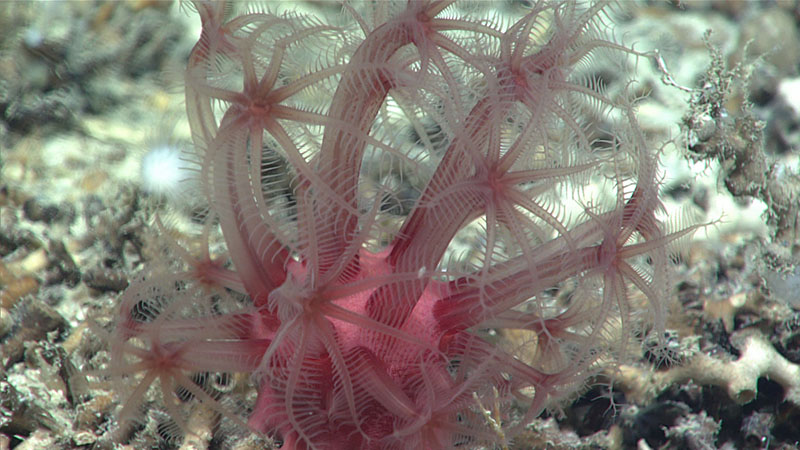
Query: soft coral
(359, 341)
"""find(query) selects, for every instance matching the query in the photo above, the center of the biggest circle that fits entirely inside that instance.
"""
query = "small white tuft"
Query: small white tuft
(162, 172)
